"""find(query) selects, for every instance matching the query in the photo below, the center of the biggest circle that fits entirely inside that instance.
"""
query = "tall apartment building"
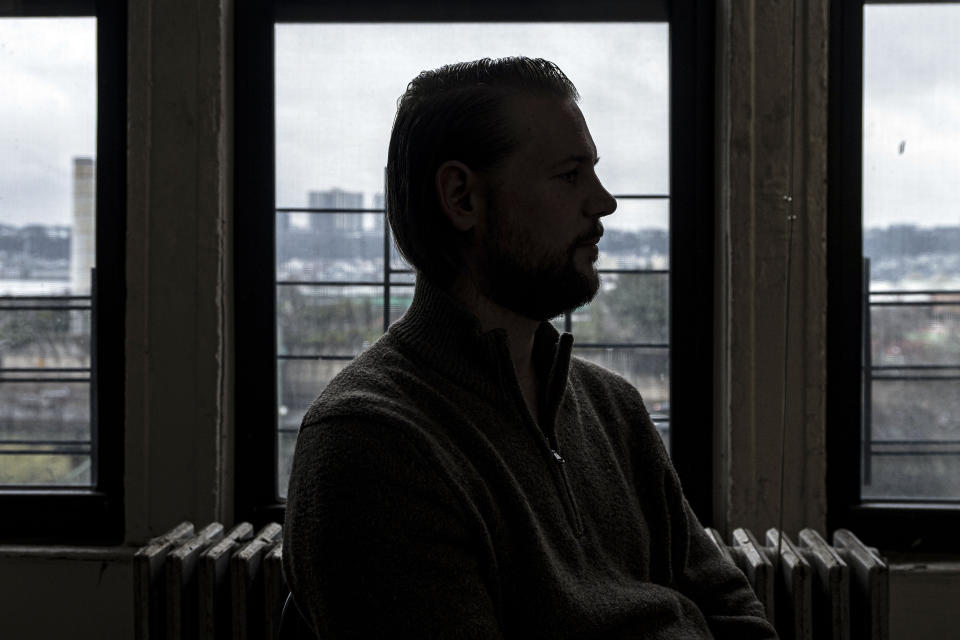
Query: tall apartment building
(335, 198)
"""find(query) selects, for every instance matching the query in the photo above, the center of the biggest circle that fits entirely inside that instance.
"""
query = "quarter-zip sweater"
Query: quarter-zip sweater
(425, 502)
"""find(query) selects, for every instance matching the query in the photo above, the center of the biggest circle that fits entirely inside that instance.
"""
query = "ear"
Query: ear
(456, 186)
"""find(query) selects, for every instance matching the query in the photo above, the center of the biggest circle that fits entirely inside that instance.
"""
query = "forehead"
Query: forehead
(548, 128)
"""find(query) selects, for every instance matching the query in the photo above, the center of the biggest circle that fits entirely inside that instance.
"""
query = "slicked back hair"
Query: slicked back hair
(456, 112)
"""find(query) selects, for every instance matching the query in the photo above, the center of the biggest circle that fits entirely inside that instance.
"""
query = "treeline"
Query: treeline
(35, 241)
(308, 244)
(52, 242)
(900, 241)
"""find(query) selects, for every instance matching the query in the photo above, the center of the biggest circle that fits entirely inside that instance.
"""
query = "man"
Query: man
(465, 477)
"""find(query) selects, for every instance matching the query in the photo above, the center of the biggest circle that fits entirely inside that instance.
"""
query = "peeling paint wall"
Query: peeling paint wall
(178, 265)
(771, 117)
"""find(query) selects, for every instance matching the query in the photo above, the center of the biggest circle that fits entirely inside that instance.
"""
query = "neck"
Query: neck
(520, 330)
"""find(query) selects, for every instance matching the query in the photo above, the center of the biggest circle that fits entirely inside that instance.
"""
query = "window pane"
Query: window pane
(915, 330)
(905, 477)
(336, 96)
(647, 369)
(637, 235)
(629, 308)
(46, 430)
(328, 320)
(298, 383)
(320, 246)
(33, 408)
(911, 245)
(48, 90)
(55, 335)
(44, 469)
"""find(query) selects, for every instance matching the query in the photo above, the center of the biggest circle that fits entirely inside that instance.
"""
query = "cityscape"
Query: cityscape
(338, 237)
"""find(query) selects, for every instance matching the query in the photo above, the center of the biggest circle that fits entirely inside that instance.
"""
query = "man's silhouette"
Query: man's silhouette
(466, 477)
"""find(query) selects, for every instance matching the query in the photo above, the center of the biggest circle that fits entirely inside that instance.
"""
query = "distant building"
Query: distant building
(83, 241)
(335, 223)
(377, 218)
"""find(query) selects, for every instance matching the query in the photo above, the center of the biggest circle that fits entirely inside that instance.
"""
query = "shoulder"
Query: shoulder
(591, 379)
(613, 401)
(375, 385)
(383, 402)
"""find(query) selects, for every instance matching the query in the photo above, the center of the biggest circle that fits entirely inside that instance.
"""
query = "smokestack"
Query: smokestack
(83, 239)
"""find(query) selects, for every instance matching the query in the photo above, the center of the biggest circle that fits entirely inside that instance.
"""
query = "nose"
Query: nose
(602, 204)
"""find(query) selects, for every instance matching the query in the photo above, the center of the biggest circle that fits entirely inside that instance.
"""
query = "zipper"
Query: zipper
(573, 513)
(566, 494)
(566, 491)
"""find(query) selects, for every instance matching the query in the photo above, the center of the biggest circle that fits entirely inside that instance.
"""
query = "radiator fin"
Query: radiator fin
(149, 601)
(181, 578)
(214, 583)
(247, 585)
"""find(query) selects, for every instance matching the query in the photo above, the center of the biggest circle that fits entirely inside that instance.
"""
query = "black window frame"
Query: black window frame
(691, 218)
(894, 526)
(94, 515)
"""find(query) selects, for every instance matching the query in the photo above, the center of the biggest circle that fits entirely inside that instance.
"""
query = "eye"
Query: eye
(570, 176)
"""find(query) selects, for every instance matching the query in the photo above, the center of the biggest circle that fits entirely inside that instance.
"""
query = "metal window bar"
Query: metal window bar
(872, 373)
(44, 379)
(45, 303)
(43, 375)
(387, 283)
(78, 448)
(388, 270)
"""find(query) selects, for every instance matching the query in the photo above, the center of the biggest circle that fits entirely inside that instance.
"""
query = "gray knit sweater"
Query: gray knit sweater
(425, 502)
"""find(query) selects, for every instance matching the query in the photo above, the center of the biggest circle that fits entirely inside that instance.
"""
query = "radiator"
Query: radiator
(815, 591)
(220, 585)
(209, 584)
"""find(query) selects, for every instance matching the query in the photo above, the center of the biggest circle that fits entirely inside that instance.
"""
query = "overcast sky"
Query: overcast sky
(48, 106)
(911, 141)
(337, 87)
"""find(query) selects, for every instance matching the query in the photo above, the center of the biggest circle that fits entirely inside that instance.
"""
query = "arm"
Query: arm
(699, 571)
(719, 588)
(376, 543)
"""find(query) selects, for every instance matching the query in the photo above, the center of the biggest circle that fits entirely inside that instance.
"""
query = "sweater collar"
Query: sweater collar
(442, 332)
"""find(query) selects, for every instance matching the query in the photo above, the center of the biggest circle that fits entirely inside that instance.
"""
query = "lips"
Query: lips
(593, 238)
(590, 241)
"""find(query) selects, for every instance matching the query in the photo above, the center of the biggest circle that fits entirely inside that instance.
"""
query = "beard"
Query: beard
(530, 280)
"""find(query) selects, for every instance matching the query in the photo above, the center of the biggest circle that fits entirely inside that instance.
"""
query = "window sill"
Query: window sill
(66, 552)
(924, 563)
(907, 530)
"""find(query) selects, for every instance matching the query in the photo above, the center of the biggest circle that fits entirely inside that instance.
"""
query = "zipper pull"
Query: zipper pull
(556, 454)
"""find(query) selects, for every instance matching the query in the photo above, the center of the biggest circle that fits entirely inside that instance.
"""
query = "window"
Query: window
(61, 235)
(900, 221)
(335, 100)
(335, 278)
(48, 250)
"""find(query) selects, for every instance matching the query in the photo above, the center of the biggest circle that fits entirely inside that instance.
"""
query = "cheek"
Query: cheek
(544, 215)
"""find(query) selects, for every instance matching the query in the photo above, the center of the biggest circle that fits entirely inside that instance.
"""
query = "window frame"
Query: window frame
(691, 217)
(895, 526)
(92, 515)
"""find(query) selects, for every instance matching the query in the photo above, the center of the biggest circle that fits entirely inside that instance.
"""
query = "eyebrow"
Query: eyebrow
(583, 159)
